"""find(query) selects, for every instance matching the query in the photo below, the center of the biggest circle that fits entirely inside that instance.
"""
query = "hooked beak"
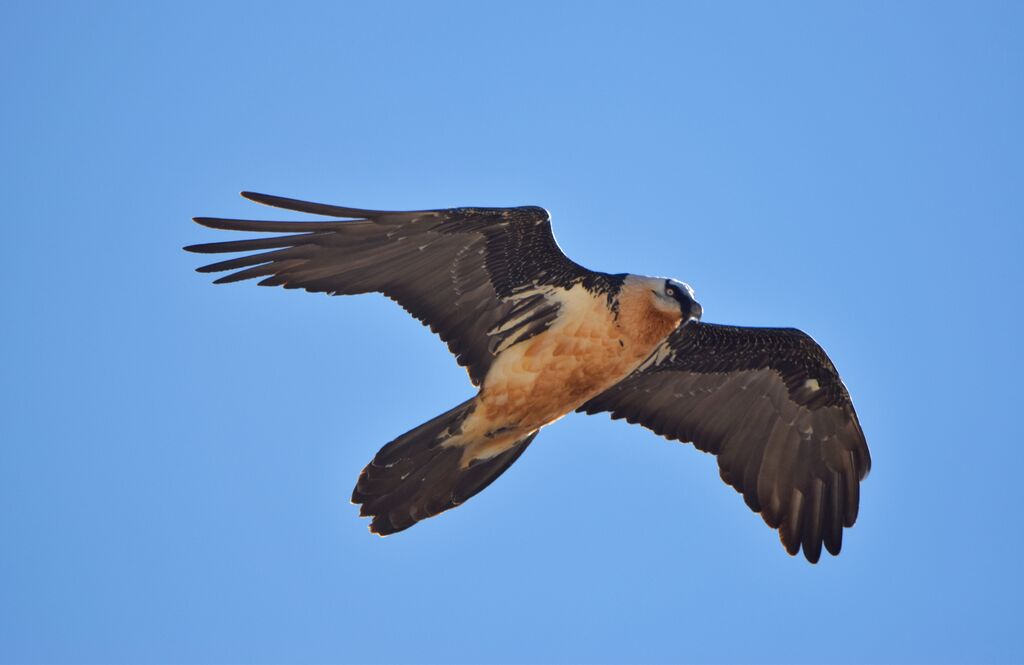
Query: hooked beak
(692, 310)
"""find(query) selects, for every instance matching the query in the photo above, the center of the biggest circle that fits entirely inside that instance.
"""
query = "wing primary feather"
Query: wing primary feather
(812, 521)
(310, 207)
(852, 485)
(275, 268)
(262, 226)
(833, 531)
(249, 260)
(790, 528)
(254, 244)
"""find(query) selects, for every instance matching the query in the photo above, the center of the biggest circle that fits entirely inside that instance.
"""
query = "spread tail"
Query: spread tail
(415, 477)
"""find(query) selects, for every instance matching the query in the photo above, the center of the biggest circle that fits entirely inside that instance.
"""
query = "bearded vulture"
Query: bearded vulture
(542, 336)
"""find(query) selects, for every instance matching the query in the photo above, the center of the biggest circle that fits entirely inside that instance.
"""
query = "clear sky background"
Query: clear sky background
(177, 458)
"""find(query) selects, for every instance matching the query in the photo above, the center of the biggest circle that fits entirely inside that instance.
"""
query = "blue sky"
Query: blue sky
(176, 458)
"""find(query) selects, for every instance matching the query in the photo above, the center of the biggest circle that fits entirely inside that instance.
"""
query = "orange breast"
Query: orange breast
(585, 352)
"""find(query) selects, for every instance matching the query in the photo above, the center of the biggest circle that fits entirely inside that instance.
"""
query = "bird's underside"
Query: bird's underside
(541, 336)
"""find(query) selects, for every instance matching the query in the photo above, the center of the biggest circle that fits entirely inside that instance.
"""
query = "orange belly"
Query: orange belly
(538, 381)
(550, 375)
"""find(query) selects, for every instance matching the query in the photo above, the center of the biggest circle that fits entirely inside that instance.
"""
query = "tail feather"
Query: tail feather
(415, 477)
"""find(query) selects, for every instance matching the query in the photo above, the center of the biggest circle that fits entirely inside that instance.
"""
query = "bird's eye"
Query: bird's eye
(670, 292)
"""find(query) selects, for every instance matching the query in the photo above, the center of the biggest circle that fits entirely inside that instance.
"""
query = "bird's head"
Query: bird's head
(671, 294)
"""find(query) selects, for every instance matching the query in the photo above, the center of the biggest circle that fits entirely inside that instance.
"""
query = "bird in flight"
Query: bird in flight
(542, 336)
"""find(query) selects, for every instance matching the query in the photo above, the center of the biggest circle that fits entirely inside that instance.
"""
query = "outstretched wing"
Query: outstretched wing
(770, 404)
(479, 277)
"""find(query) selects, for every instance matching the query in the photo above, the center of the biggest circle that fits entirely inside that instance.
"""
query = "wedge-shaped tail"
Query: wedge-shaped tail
(415, 476)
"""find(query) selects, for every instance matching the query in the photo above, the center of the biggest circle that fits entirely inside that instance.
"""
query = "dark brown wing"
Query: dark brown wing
(770, 404)
(477, 276)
